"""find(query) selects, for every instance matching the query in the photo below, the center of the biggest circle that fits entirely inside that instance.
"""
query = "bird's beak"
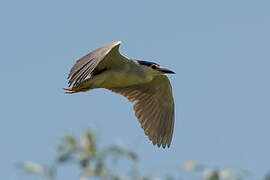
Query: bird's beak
(167, 71)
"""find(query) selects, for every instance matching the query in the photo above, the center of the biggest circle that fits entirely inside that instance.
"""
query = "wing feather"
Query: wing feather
(106, 56)
(154, 108)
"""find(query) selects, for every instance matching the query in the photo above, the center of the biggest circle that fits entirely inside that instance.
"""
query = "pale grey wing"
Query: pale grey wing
(97, 60)
(154, 108)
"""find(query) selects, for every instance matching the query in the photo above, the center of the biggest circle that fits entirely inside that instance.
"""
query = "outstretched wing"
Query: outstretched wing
(98, 60)
(154, 108)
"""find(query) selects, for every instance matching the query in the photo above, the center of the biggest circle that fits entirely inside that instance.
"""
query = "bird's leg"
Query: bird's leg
(68, 90)
(84, 86)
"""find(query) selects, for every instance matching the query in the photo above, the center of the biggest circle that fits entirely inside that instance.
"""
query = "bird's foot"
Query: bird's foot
(69, 90)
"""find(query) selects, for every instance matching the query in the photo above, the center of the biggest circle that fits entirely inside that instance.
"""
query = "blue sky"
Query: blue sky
(218, 49)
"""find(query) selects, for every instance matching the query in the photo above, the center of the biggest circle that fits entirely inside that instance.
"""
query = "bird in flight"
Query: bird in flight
(142, 82)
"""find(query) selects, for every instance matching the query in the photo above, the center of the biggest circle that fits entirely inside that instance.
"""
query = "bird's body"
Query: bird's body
(126, 75)
(142, 82)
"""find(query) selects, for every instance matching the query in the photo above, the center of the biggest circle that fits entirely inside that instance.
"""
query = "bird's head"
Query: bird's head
(155, 68)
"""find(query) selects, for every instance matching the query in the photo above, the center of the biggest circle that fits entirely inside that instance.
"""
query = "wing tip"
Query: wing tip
(159, 143)
(164, 146)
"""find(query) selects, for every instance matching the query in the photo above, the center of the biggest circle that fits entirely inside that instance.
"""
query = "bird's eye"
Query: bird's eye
(154, 66)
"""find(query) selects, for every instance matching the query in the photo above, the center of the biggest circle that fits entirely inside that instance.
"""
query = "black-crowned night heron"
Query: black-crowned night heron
(142, 82)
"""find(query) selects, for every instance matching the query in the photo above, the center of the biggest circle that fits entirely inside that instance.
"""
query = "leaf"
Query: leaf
(32, 167)
(192, 166)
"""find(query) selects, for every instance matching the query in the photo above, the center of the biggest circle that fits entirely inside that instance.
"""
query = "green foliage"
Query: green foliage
(86, 153)
(36, 169)
(93, 162)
